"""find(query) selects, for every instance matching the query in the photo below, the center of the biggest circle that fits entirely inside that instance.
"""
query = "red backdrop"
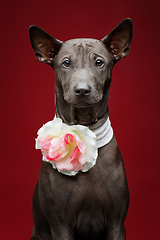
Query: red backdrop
(27, 101)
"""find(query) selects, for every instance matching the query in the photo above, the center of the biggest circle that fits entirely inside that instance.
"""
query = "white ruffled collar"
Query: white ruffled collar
(104, 133)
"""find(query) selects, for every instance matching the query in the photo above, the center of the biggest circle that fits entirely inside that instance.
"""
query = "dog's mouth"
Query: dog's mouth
(83, 101)
(82, 104)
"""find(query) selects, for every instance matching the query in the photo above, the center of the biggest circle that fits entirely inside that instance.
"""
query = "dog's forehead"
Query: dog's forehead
(85, 44)
(82, 41)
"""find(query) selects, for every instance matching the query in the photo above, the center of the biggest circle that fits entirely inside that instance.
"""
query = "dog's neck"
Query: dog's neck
(87, 116)
(92, 117)
(95, 117)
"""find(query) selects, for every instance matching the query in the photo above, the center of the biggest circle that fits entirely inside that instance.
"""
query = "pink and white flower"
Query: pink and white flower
(68, 148)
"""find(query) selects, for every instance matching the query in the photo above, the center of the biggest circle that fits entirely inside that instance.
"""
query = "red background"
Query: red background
(27, 101)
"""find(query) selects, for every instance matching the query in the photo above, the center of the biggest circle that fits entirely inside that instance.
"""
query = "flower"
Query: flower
(68, 148)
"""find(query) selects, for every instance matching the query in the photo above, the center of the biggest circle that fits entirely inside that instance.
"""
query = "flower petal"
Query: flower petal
(55, 154)
(82, 158)
(53, 158)
(55, 145)
(74, 154)
(68, 138)
(64, 164)
(46, 144)
(40, 140)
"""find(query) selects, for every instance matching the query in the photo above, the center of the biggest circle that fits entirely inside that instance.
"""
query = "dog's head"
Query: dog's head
(83, 67)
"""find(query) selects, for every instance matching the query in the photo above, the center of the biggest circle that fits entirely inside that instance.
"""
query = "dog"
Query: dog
(93, 204)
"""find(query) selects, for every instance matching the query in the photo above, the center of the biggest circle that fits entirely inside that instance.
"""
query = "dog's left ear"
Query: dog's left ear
(45, 46)
(119, 40)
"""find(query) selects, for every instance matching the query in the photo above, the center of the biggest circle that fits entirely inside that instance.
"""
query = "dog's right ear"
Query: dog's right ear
(45, 46)
(119, 40)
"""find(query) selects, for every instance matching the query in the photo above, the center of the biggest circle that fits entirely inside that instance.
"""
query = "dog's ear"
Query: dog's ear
(45, 46)
(119, 40)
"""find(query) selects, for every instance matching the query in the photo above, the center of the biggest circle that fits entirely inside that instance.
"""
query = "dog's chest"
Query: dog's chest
(81, 200)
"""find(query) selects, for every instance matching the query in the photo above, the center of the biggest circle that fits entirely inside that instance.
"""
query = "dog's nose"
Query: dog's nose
(82, 89)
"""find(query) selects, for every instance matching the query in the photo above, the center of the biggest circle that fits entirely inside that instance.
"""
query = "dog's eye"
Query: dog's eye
(99, 63)
(66, 63)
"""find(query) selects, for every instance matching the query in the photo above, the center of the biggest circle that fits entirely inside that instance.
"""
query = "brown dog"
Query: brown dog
(91, 205)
